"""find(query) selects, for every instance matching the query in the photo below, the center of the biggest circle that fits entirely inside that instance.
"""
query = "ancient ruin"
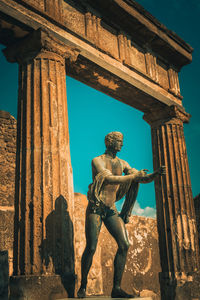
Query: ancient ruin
(143, 257)
(118, 48)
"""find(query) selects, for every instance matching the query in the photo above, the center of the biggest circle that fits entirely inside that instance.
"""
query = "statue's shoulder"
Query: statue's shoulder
(98, 158)
(98, 164)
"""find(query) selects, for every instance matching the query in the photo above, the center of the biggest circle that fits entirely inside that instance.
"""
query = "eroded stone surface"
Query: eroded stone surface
(8, 131)
(178, 236)
(8, 126)
(37, 287)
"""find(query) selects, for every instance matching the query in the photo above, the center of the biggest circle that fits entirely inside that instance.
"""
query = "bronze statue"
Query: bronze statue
(108, 187)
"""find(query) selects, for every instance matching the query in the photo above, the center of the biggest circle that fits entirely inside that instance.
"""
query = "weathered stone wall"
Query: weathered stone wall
(7, 184)
(8, 131)
(143, 262)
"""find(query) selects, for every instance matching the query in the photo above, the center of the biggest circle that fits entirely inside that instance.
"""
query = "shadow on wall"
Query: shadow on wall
(3, 275)
(57, 250)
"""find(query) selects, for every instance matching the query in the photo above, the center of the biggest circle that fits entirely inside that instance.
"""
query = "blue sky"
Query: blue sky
(92, 114)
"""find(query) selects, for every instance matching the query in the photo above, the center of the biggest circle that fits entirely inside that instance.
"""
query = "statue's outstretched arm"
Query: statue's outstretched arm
(143, 177)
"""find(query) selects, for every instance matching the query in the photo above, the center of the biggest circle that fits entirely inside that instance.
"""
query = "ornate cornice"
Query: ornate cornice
(39, 41)
(169, 114)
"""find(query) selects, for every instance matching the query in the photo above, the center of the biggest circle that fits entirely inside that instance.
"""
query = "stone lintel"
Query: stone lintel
(118, 81)
(127, 84)
(133, 18)
(39, 41)
(168, 114)
(126, 15)
(51, 9)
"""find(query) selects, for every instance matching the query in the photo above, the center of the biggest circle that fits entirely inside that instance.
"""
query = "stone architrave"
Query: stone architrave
(52, 8)
(178, 238)
(43, 232)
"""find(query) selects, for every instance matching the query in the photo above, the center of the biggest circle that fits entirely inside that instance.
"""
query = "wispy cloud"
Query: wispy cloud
(145, 212)
(137, 210)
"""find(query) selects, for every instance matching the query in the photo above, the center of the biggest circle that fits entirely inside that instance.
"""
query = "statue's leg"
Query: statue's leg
(92, 228)
(117, 229)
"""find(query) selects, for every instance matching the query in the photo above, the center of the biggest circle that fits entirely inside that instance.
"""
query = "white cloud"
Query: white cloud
(138, 211)
(145, 212)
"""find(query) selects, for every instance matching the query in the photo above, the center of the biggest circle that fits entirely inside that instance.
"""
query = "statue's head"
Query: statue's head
(114, 141)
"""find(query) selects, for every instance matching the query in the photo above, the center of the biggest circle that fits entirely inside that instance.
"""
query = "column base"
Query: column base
(44, 287)
(178, 287)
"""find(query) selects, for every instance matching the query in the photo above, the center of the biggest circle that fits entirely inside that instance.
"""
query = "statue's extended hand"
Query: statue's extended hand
(142, 173)
(162, 170)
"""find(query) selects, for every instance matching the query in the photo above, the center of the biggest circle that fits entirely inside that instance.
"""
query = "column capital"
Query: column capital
(37, 42)
(170, 114)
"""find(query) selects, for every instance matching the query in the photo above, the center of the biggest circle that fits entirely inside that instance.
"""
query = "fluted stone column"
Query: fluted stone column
(43, 240)
(178, 239)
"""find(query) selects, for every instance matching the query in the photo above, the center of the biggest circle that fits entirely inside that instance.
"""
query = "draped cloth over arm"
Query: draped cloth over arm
(94, 189)
(129, 202)
(129, 190)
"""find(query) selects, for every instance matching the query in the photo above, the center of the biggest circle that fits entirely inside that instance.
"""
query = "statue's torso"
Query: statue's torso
(115, 166)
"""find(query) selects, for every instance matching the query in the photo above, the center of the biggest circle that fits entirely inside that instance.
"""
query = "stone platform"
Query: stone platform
(109, 298)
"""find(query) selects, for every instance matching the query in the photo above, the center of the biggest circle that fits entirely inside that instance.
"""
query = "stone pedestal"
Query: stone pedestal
(109, 298)
(48, 287)
(178, 238)
(43, 237)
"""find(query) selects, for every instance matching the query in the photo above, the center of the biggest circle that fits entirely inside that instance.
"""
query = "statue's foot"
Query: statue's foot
(81, 293)
(119, 293)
